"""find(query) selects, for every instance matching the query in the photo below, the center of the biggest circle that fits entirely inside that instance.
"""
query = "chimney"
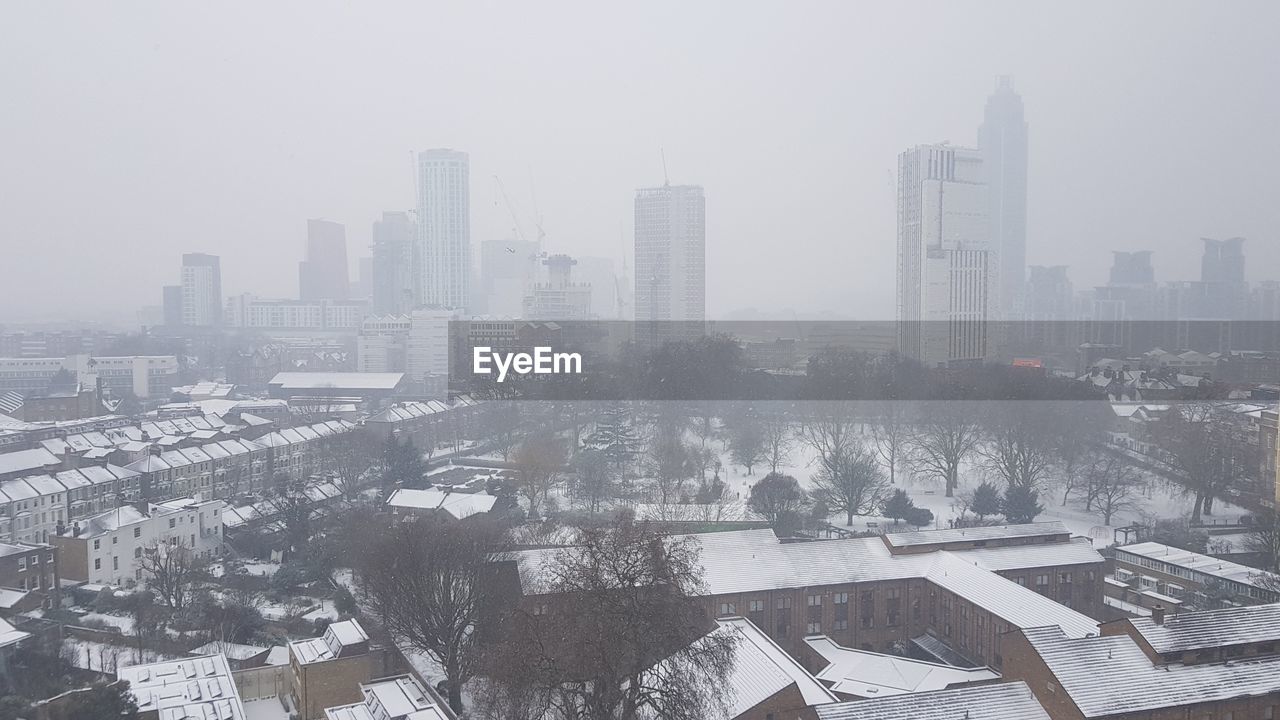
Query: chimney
(1157, 614)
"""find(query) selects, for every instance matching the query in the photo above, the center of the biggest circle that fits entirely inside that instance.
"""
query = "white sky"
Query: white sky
(132, 132)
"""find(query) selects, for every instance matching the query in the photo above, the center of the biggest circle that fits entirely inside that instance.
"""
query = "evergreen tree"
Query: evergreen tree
(615, 436)
(919, 516)
(986, 500)
(898, 506)
(1020, 504)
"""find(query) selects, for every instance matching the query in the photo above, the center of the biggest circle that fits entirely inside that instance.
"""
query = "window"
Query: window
(97, 544)
(842, 625)
(1042, 581)
(783, 603)
(814, 628)
(728, 609)
(540, 609)
(115, 539)
(814, 601)
(842, 599)
(115, 563)
(97, 563)
(172, 523)
(756, 606)
(22, 564)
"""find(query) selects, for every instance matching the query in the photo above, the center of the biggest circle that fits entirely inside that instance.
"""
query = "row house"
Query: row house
(953, 605)
(34, 507)
(29, 577)
(428, 423)
(107, 548)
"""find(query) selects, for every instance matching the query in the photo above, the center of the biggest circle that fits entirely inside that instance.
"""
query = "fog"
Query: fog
(133, 132)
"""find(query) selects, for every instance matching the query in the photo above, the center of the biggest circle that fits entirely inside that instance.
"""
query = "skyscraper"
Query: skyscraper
(443, 257)
(393, 268)
(1003, 142)
(946, 275)
(201, 290)
(671, 253)
(1223, 261)
(324, 275)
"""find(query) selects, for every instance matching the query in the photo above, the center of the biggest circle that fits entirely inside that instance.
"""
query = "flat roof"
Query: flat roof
(1001, 701)
(915, 538)
(1223, 569)
(336, 380)
(200, 687)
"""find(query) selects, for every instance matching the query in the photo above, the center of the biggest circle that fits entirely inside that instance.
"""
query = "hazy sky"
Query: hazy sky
(130, 133)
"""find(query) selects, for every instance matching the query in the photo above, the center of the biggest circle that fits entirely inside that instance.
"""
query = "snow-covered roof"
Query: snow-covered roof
(200, 687)
(400, 698)
(10, 635)
(1111, 675)
(917, 538)
(459, 505)
(337, 636)
(870, 675)
(762, 669)
(21, 461)
(1001, 701)
(1204, 564)
(1212, 628)
(235, 651)
(1077, 551)
(337, 380)
(748, 561)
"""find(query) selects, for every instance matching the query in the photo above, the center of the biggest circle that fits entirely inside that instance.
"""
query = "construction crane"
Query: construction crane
(510, 208)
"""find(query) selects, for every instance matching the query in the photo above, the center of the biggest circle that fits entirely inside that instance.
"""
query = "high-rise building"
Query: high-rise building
(393, 264)
(172, 304)
(443, 257)
(946, 274)
(1223, 261)
(1003, 142)
(324, 275)
(671, 254)
(201, 290)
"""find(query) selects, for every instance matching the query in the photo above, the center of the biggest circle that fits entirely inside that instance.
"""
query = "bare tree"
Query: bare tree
(778, 441)
(595, 478)
(431, 587)
(747, 444)
(1114, 484)
(171, 570)
(670, 462)
(856, 488)
(830, 432)
(1207, 449)
(539, 461)
(777, 497)
(945, 435)
(1264, 539)
(891, 432)
(624, 636)
(292, 503)
(347, 458)
(1020, 442)
(504, 426)
(1078, 434)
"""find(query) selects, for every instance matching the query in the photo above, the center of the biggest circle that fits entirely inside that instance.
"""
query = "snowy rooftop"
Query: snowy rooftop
(199, 687)
(1001, 701)
(993, 532)
(1212, 628)
(400, 698)
(337, 380)
(459, 505)
(10, 635)
(21, 461)
(871, 675)
(336, 637)
(761, 669)
(235, 651)
(1110, 675)
(1211, 566)
(747, 561)
(1077, 551)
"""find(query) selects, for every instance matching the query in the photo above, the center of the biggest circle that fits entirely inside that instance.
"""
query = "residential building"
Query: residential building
(1001, 701)
(952, 605)
(320, 315)
(412, 503)
(171, 304)
(948, 275)
(393, 264)
(1191, 577)
(29, 578)
(329, 671)
(671, 254)
(427, 351)
(443, 244)
(323, 275)
(1003, 142)
(394, 698)
(106, 549)
(198, 687)
(143, 375)
(201, 290)
(1221, 665)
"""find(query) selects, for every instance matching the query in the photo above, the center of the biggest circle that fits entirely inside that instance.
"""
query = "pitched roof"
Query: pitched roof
(1205, 564)
(1111, 675)
(866, 674)
(1212, 628)
(761, 669)
(1002, 701)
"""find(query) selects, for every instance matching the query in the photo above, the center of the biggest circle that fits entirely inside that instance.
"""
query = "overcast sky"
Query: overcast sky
(130, 133)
